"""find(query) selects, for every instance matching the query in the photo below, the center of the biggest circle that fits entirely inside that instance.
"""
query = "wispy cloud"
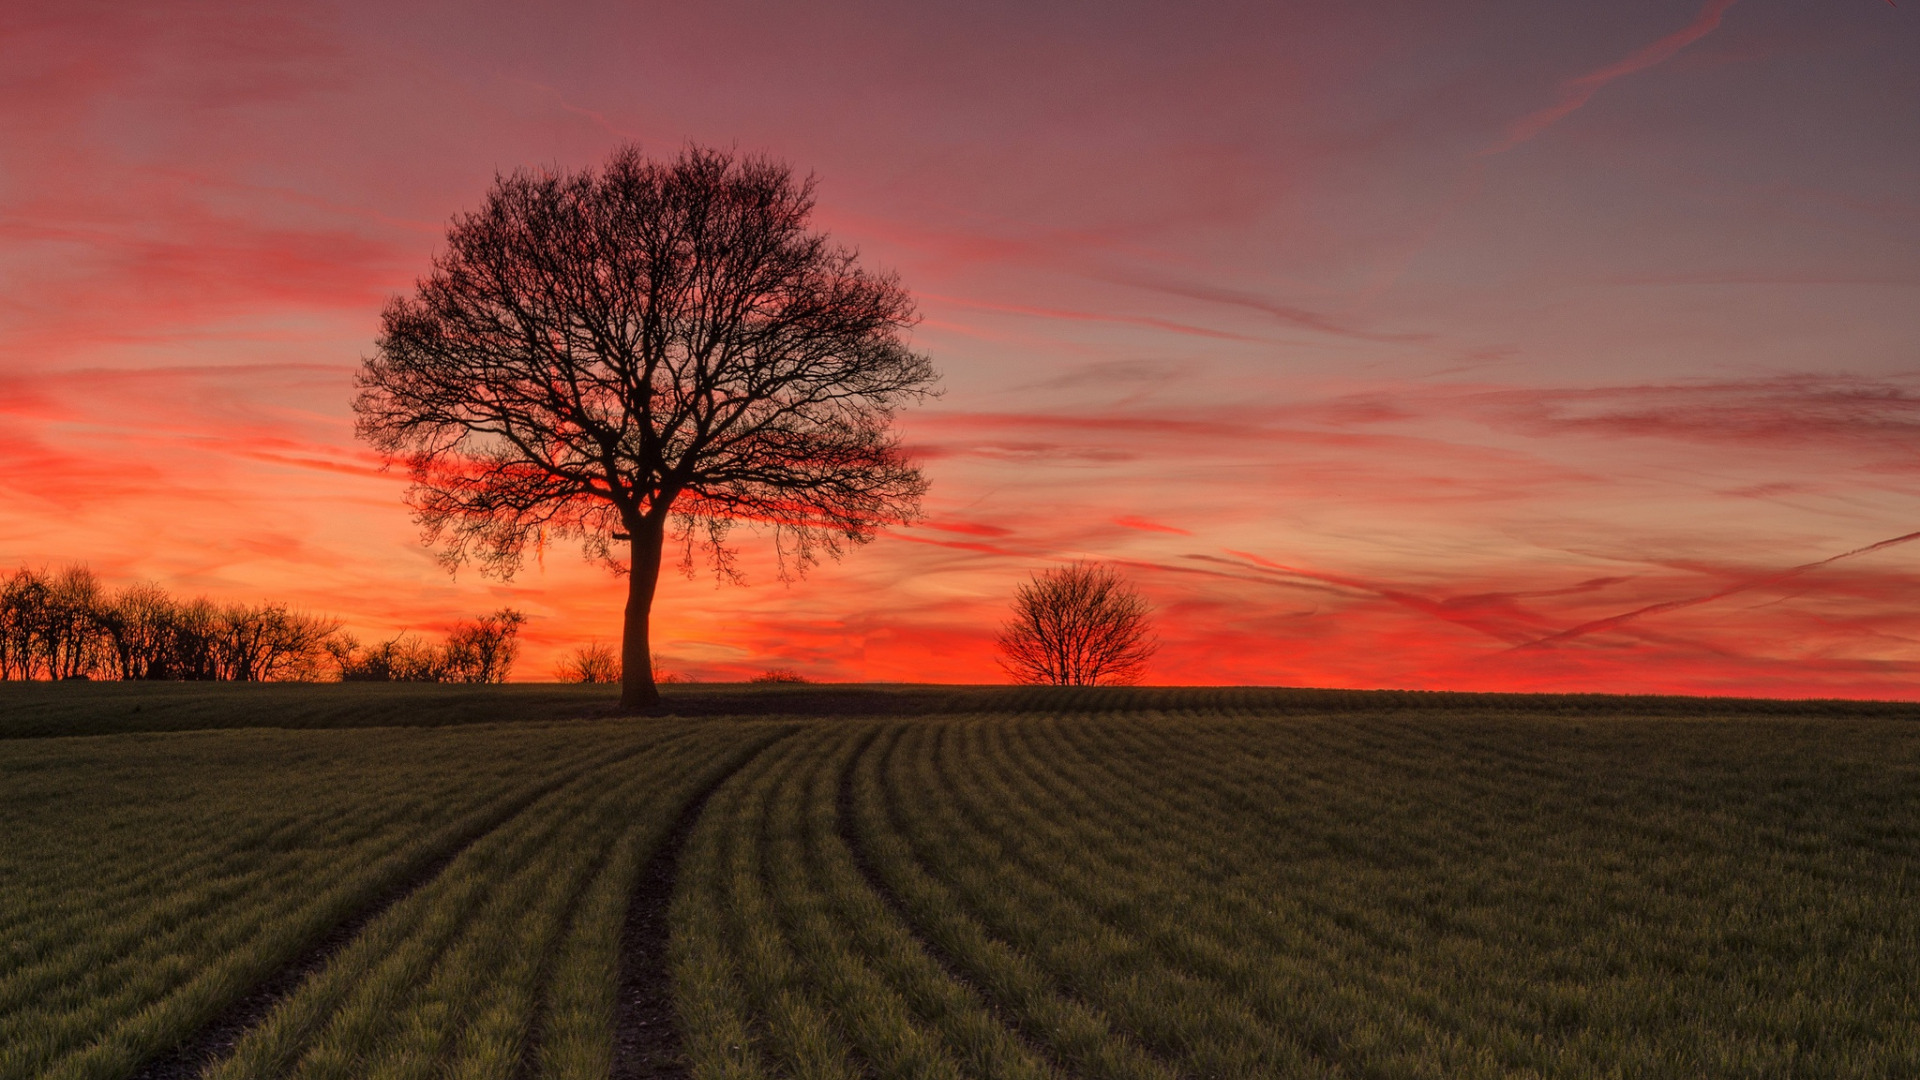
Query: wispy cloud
(1143, 321)
(1576, 92)
(1762, 581)
(1293, 315)
(1779, 411)
(1134, 521)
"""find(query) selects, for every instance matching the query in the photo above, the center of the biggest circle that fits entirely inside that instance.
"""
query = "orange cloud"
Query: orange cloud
(1133, 521)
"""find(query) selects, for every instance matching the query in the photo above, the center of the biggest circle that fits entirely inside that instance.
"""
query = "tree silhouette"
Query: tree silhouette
(1077, 625)
(654, 351)
(591, 663)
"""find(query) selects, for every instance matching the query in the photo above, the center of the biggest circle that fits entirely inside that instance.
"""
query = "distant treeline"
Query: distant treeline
(66, 625)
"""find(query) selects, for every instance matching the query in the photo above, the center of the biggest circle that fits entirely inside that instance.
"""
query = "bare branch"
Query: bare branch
(602, 351)
(1078, 625)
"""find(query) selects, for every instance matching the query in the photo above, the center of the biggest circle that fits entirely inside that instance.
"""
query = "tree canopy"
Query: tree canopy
(650, 352)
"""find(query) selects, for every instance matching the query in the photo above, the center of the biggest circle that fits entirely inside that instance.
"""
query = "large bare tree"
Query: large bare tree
(1078, 625)
(648, 353)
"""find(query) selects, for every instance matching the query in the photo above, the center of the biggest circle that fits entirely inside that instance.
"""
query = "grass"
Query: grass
(149, 878)
(776, 932)
(511, 942)
(1212, 894)
(39, 710)
(1471, 898)
(944, 883)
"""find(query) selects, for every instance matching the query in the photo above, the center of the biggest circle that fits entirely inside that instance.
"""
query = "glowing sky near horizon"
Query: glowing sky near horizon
(1492, 345)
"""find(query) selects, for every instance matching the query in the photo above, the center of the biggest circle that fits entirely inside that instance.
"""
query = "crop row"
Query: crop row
(505, 962)
(153, 878)
(1203, 892)
(786, 962)
(136, 912)
(1239, 895)
(1269, 899)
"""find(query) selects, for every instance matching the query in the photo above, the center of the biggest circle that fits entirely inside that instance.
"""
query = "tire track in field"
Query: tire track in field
(948, 963)
(216, 1038)
(646, 1045)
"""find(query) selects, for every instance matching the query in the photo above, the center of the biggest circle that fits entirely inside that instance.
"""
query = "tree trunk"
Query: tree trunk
(637, 691)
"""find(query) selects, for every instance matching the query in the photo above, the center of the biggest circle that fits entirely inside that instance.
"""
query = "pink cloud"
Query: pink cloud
(1780, 411)
(970, 528)
(1134, 521)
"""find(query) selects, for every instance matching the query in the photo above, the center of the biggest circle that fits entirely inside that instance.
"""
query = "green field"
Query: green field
(821, 882)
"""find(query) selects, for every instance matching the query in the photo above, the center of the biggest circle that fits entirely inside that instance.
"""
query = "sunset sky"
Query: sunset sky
(1494, 345)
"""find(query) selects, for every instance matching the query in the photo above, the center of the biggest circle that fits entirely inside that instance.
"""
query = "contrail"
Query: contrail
(1490, 623)
(1577, 92)
(1671, 605)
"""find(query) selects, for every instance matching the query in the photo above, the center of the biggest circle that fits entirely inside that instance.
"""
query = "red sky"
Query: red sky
(1494, 345)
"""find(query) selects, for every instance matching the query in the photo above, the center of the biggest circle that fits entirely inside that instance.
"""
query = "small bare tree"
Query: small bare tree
(483, 651)
(650, 351)
(23, 616)
(1078, 625)
(140, 620)
(406, 657)
(596, 663)
(268, 641)
(591, 663)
